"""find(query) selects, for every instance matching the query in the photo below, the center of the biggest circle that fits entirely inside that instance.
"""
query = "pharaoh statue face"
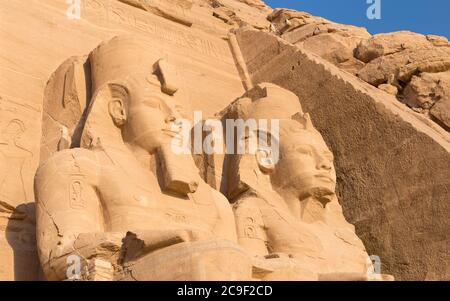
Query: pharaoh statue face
(305, 166)
(138, 93)
(136, 104)
(302, 165)
(145, 114)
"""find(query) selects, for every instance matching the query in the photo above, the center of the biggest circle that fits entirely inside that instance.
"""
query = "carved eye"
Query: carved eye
(304, 150)
(153, 100)
(153, 103)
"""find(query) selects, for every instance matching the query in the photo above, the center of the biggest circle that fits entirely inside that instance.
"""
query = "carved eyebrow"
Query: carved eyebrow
(312, 150)
(302, 146)
(306, 147)
(151, 98)
(156, 103)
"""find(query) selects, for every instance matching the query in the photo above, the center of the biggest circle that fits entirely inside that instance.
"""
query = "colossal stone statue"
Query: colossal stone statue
(124, 205)
(285, 205)
(117, 202)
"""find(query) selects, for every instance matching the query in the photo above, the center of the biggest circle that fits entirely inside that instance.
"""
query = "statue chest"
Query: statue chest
(138, 203)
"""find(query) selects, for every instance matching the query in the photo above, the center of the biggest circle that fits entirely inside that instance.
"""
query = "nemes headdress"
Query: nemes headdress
(125, 56)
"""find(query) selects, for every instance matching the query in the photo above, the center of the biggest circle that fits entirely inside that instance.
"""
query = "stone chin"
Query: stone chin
(318, 185)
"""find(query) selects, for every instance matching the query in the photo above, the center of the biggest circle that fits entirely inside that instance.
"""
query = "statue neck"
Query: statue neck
(306, 207)
(259, 182)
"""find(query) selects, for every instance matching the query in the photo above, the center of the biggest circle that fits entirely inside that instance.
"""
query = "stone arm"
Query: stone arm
(68, 213)
(224, 229)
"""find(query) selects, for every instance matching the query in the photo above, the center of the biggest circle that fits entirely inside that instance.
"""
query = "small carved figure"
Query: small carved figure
(13, 158)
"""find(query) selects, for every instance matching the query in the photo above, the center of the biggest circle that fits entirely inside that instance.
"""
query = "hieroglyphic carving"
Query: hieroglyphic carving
(76, 193)
(174, 10)
(14, 158)
(76, 186)
(118, 13)
(20, 114)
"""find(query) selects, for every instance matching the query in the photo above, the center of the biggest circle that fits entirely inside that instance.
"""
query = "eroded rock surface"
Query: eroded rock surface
(401, 66)
(414, 63)
(312, 33)
(441, 111)
(389, 43)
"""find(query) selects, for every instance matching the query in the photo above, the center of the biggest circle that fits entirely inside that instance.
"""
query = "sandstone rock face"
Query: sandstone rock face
(412, 62)
(424, 90)
(312, 33)
(431, 91)
(389, 43)
(240, 13)
(403, 65)
(441, 111)
(91, 108)
(438, 40)
(388, 88)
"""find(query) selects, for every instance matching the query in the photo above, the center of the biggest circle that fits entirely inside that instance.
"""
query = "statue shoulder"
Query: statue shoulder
(251, 202)
(75, 161)
(218, 196)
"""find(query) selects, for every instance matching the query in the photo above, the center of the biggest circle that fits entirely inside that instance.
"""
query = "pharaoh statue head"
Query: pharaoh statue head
(137, 103)
(295, 157)
(135, 98)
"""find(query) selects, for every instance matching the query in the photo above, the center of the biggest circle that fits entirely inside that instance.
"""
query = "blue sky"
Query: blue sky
(423, 16)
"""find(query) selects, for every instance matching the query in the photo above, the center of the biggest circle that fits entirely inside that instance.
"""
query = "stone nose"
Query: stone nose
(324, 163)
(170, 118)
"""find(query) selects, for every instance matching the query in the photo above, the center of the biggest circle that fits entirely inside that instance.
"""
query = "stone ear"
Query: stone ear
(117, 111)
(265, 160)
(116, 104)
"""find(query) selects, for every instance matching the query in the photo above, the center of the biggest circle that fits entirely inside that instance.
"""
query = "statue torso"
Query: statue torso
(131, 199)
